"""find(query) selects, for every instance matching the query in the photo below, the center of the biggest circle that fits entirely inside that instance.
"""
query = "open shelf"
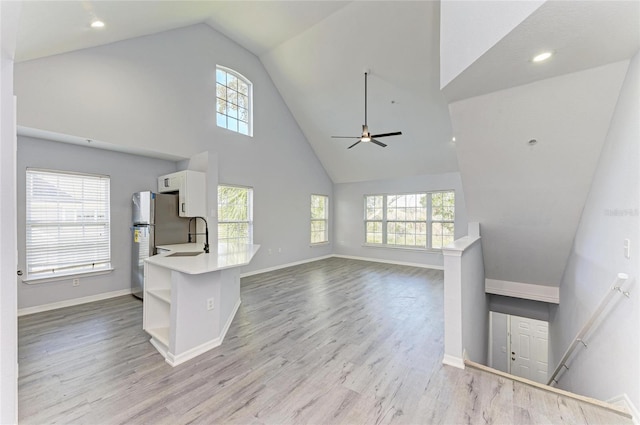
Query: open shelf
(161, 334)
(161, 294)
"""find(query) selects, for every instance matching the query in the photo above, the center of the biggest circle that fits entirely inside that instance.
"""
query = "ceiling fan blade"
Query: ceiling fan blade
(366, 136)
(397, 133)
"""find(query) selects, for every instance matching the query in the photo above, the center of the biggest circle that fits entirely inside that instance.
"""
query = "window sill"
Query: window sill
(403, 248)
(38, 280)
(250, 136)
(319, 244)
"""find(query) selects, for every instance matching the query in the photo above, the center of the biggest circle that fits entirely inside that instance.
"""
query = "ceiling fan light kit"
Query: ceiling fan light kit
(366, 136)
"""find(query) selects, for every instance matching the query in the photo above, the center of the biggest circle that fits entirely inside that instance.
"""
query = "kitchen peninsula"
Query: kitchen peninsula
(191, 297)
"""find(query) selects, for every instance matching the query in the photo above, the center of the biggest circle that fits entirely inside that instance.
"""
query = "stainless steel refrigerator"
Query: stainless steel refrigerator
(155, 222)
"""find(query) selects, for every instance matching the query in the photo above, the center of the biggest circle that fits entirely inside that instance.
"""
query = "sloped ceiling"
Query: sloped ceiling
(316, 53)
(320, 75)
(529, 198)
(52, 27)
(581, 34)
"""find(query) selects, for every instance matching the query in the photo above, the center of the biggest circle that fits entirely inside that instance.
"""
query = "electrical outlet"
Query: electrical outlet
(209, 303)
(76, 282)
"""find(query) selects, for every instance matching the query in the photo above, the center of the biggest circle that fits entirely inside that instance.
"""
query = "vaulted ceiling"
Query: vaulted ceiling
(316, 53)
(529, 135)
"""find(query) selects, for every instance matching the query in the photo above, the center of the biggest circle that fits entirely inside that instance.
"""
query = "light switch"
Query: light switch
(627, 248)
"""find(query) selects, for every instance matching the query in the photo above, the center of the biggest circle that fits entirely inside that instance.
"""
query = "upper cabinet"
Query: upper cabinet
(191, 188)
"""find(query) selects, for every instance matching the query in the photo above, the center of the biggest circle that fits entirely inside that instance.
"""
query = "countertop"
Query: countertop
(226, 256)
(183, 247)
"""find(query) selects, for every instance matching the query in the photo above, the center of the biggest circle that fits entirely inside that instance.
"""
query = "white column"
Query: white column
(9, 17)
(453, 307)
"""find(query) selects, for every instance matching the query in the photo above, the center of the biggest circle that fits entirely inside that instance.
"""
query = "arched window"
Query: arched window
(233, 101)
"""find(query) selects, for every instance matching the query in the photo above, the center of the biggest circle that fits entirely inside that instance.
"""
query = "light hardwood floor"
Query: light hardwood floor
(330, 342)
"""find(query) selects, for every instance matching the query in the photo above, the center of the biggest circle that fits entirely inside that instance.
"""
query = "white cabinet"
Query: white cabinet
(170, 182)
(191, 188)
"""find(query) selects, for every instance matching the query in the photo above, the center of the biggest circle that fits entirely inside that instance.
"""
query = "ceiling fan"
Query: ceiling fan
(366, 136)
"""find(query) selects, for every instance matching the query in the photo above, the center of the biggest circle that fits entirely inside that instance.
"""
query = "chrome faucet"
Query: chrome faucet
(206, 232)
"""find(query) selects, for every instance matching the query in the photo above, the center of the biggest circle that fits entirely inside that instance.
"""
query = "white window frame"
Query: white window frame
(433, 221)
(384, 221)
(57, 203)
(324, 220)
(248, 222)
(223, 115)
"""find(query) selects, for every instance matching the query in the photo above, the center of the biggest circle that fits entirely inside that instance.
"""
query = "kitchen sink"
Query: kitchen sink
(185, 254)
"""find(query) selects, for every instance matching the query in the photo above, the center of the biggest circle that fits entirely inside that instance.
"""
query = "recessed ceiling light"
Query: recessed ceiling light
(542, 57)
(97, 24)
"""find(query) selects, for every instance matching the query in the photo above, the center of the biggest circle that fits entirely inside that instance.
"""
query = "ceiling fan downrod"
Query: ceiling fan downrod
(366, 136)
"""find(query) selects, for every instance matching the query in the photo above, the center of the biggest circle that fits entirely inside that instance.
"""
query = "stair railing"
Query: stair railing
(579, 340)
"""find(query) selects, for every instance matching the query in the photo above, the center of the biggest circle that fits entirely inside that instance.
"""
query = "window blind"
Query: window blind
(67, 223)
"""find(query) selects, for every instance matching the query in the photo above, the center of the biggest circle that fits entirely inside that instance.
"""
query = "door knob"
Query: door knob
(19, 272)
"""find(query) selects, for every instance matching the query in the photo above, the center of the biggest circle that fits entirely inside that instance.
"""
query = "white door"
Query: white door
(529, 343)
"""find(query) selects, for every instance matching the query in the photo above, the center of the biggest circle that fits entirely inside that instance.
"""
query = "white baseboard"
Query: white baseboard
(162, 349)
(623, 401)
(175, 360)
(453, 361)
(284, 266)
(399, 263)
(349, 257)
(226, 326)
(75, 301)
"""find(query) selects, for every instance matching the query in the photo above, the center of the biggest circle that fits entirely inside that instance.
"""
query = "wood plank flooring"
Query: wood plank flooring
(335, 341)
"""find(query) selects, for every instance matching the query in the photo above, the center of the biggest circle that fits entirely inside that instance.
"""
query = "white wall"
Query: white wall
(528, 199)
(611, 365)
(158, 92)
(129, 174)
(469, 28)
(475, 305)
(9, 17)
(348, 206)
(466, 313)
